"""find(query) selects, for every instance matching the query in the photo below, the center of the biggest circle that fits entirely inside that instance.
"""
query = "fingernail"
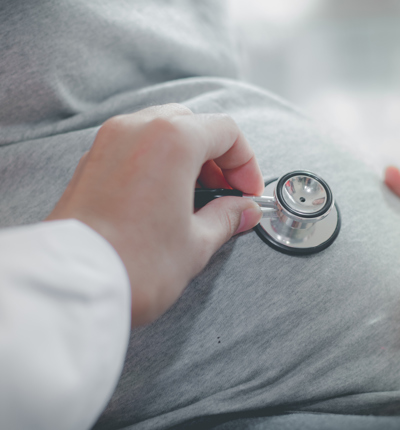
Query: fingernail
(250, 218)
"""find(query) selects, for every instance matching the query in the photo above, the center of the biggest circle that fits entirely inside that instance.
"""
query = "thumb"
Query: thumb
(226, 216)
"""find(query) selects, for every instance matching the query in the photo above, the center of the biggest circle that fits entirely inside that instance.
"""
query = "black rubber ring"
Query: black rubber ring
(270, 241)
(282, 202)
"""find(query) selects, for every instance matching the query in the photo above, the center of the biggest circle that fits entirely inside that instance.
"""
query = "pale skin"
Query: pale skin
(135, 187)
(392, 179)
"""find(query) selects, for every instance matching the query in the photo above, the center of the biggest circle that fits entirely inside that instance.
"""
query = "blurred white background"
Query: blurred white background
(339, 60)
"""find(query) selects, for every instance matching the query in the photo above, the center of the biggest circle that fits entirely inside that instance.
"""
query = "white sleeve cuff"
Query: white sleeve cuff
(64, 325)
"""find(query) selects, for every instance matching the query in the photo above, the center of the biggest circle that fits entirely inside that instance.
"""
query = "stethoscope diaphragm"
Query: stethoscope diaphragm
(300, 216)
(306, 219)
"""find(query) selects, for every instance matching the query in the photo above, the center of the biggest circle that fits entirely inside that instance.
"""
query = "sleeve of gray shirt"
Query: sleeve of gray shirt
(257, 332)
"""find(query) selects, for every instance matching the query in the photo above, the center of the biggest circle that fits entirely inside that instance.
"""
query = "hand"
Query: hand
(392, 179)
(136, 188)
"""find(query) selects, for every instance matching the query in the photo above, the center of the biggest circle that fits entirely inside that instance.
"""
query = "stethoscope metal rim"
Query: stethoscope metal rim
(282, 202)
(290, 250)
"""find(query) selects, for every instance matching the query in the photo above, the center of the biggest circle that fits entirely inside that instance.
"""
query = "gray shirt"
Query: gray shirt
(257, 331)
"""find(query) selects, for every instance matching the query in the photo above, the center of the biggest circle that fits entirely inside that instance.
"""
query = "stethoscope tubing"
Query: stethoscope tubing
(204, 196)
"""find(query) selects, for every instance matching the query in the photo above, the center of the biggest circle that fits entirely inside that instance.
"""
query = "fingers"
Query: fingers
(392, 179)
(135, 188)
(208, 136)
(222, 218)
(211, 176)
(217, 137)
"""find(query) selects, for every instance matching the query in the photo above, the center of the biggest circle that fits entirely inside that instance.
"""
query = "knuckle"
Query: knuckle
(169, 110)
(168, 132)
(162, 129)
(113, 125)
(178, 109)
(111, 130)
(230, 216)
(231, 125)
(229, 223)
(162, 126)
(226, 118)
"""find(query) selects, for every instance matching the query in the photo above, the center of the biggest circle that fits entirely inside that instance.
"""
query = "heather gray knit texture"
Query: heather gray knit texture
(256, 331)
(307, 421)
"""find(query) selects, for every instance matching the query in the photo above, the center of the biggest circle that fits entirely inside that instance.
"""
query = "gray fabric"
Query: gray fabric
(256, 330)
(59, 60)
(302, 421)
(261, 330)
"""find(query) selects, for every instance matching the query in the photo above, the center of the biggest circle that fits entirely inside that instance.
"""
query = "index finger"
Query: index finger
(217, 137)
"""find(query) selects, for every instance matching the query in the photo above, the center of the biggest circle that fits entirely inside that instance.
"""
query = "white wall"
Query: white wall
(338, 59)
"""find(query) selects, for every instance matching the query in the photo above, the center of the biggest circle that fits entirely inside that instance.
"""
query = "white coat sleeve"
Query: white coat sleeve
(64, 325)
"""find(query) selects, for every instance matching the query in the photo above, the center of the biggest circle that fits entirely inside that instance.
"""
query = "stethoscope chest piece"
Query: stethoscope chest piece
(304, 220)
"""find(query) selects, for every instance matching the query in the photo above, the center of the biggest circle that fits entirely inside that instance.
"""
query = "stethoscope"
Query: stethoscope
(300, 216)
